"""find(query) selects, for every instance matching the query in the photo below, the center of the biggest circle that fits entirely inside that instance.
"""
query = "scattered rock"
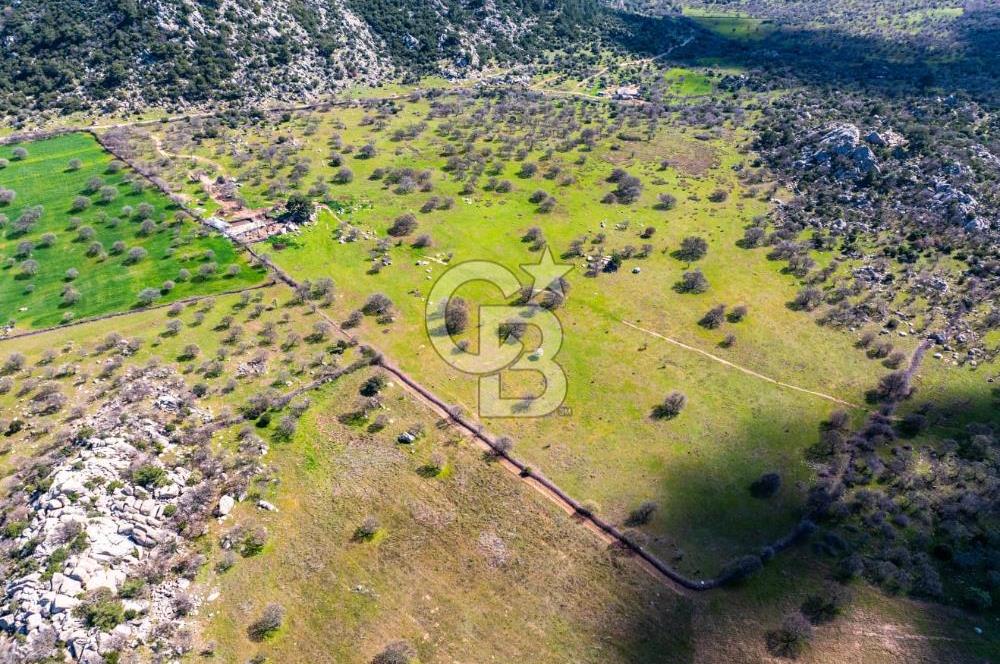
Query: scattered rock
(226, 504)
(91, 493)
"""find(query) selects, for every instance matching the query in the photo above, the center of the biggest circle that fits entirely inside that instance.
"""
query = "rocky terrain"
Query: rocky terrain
(894, 187)
(842, 140)
(99, 563)
(121, 526)
(72, 54)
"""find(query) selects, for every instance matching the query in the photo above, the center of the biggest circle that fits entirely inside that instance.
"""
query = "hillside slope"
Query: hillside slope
(74, 53)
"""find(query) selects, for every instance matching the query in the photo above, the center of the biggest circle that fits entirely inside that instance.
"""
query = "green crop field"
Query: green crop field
(65, 263)
(687, 82)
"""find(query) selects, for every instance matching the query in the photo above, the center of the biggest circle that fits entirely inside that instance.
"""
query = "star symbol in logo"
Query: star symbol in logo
(546, 273)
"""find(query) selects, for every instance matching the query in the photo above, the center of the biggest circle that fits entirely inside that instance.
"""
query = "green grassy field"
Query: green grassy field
(466, 561)
(293, 359)
(688, 82)
(107, 280)
(732, 25)
(609, 451)
(605, 448)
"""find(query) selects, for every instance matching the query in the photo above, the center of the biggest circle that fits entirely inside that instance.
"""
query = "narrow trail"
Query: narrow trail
(749, 372)
(158, 146)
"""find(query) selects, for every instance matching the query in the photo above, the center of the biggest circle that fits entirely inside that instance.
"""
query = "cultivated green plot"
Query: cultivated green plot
(731, 25)
(688, 82)
(83, 235)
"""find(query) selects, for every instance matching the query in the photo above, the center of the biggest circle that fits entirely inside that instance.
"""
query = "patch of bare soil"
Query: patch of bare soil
(687, 154)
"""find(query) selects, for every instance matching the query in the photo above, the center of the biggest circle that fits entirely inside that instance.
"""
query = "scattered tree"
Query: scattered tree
(693, 248)
(671, 407)
(268, 623)
(692, 282)
(456, 315)
(791, 639)
(714, 317)
(299, 208)
(377, 304)
(403, 225)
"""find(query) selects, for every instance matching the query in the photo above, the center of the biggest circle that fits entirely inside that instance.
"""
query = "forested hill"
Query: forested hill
(73, 53)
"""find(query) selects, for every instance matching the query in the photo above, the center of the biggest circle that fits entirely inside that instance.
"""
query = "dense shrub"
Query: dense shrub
(766, 485)
(99, 609)
(642, 514)
(824, 606)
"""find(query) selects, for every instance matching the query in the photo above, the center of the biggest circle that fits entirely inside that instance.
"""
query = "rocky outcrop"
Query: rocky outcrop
(838, 147)
(110, 525)
(103, 518)
(959, 206)
(291, 50)
(886, 138)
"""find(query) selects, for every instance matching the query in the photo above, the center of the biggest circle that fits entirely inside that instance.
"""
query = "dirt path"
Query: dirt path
(228, 207)
(749, 372)
(158, 146)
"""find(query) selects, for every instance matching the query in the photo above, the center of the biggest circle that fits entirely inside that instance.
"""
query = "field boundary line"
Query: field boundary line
(732, 365)
(137, 310)
(606, 531)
